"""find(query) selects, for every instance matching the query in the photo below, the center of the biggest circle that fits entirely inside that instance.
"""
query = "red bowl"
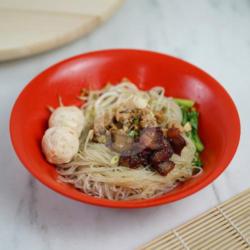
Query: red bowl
(219, 120)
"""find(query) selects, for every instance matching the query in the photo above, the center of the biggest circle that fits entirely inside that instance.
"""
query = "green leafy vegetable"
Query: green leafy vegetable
(133, 133)
(192, 117)
(197, 141)
(197, 161)
(189, 114)
(193, 135)
(184, 116)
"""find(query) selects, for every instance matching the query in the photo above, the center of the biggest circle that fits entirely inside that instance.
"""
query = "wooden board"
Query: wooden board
(29, 27)
(225, 227)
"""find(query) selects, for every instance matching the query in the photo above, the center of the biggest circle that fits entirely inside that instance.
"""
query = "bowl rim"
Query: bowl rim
(84, 198)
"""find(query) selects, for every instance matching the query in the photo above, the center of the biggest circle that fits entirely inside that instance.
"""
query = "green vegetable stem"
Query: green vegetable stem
(189, 114)
(184, 102)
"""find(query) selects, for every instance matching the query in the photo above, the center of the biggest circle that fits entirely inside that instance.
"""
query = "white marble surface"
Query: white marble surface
(213, 34)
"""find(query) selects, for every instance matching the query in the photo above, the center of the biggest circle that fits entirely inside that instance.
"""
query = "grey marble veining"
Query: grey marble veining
(212, 34)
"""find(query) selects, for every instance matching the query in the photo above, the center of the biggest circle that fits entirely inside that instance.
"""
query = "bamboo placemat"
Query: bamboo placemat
(225, 227)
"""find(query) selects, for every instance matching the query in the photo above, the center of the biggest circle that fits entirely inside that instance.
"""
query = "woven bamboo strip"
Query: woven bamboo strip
(209, 242)
(235, 244)
(238, 199)
(244, 223)
(236, 213)
(170, 247)
(224, 227)
(231, 220)
(231, 209)
(232, 246)
(164, 238)
(173, 244)
(246, 227)
(197, 226)
(211, 236)
(202, 229)
(240, 196)
(198, 220)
